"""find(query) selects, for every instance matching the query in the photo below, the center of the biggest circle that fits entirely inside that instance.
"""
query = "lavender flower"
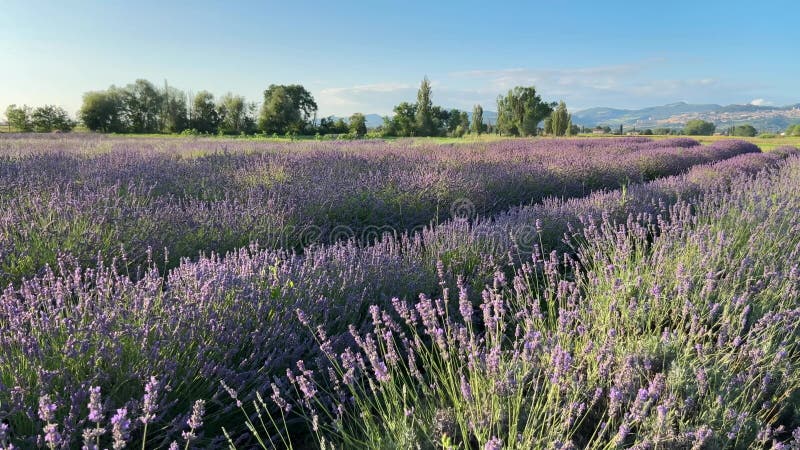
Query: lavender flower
(195, 421)
(120, 428)
(95, 405)
(51, 435)
(466, 389)
(494, 443)
(47, 409)
(150, 401)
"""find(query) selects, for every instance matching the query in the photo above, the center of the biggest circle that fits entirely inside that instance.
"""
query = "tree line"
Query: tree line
(143, 107)
(43, 119)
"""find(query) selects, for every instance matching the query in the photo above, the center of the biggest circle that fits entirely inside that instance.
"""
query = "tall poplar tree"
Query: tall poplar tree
(424, 113)
(477, 119)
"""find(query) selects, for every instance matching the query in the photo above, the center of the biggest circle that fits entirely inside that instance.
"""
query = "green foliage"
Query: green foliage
(45, 119)
(19, 117)
(358, 125)
(520, 111)
(560, 120)
(137, 108)
(665, 131)
(235, 115)
(331, 125)
(746, 130)
(647, 132)
(404, 119)
(793, 130)
(286, 108)
(698, 127)
(477, 120)
(143, 103)
(204, 113)
(424, 111)
(174, 114)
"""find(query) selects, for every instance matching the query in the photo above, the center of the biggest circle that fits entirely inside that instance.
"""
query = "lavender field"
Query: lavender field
(518, 294)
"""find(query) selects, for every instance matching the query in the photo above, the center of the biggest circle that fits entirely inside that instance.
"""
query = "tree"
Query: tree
(332, 125)
(560, 120)
(19, 118)
(234, 115)
(103, 111)
(358, 125)
(520, 111)
(174, 114)
(424, 110)
(404, 119)
(746, 130)
(698, 127)
(143, 105)
(477, 119)
(45, 119)
(286, 108)
(647, 132)
(204, 113)
(571, 129)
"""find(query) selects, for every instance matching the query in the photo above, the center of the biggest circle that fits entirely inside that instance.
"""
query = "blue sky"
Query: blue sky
(369, 55)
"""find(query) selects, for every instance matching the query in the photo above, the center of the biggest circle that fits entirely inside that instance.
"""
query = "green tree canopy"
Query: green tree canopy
(174, 114)
(477, 120)
(698, 127)
(520, 111)
(560, 120)
(143, 104)
(286, 108)
(103, 111)
(235, 115)
(424, 111)
(358, 125)
(204, 113)
(51, 118)
(745, 130)
(404, 119)
(19, 117)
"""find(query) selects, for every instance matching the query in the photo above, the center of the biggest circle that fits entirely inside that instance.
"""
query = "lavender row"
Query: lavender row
(687, 340)
(116, 197)
(231, 319)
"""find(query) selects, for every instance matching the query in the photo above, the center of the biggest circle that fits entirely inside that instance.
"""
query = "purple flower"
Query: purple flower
(120, 427)
(494, 443)
(615, 401)
(622, 433)
(47, 409)
(381, 371)
(278, 398)
(466, 389)
(195, 420)
(232, 393)
(150, 400)
(95, 405)
(51, 435)
(701, 436)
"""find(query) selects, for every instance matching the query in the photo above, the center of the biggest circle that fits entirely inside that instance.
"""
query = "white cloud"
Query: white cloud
(760, 102)
(632, 85)
(367, 98)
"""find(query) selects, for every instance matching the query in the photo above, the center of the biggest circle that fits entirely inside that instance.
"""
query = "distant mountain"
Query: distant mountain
(675, 115)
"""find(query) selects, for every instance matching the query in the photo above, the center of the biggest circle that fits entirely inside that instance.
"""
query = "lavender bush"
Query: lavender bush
(100, 198)
(224, 329)
(689, 339)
